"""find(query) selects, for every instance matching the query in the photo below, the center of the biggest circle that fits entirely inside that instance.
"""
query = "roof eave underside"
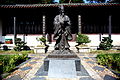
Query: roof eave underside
(56, 5)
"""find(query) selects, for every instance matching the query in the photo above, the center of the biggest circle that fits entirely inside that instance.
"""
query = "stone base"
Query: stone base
(62, 55)
(67, 54)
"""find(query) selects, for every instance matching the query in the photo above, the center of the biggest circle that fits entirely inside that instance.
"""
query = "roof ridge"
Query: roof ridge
(55, 5)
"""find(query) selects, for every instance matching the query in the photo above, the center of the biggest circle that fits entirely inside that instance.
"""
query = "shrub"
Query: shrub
(19, 44)
(16, 52)
(106, 43)
(82, 39)
(8, 62)
(42, 39)
(110, 60)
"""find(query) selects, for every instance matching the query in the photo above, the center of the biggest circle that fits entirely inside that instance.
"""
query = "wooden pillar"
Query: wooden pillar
(44, 25)
(100, 37)
(0, 30)
(15, 29)
(24, 37)
(110, 26)
(79, 24)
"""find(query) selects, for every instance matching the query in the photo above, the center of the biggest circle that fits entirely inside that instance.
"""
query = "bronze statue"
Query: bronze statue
(62, 31)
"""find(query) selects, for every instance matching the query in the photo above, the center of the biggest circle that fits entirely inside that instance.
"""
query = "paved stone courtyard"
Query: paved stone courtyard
(33, 69)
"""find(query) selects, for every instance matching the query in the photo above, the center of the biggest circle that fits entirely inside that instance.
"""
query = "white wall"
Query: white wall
(30, 39)
(116, 39)
(95, 39)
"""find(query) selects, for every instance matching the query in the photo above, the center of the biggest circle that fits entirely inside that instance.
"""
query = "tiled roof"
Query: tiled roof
(56, 5)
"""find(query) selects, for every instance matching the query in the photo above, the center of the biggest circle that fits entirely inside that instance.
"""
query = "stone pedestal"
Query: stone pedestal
(62, 64)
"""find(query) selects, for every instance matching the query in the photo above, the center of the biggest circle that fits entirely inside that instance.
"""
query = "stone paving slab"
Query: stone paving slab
(98, 68)
(62, 69)
(15, 77)
(38, 78)
(86, 78)
(34, 62)
(82, 72)
(107, 77)
(26, 68)
(41, 72)
(91, 62)
(62, 79)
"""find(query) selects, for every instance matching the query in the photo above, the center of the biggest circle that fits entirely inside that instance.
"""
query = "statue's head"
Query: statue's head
(61, 8)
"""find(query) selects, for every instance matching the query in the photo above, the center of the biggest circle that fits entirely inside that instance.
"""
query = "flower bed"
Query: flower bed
(9, 62)
(16, 52)
(111, 60)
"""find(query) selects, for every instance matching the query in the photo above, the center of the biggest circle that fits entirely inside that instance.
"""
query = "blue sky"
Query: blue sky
(84, 0)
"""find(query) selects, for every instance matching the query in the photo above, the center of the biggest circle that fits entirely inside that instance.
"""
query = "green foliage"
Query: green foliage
(72, 1)
(25, 1)
(103, 1)
(106, 43)
(82, 39)
(114, 1)
(77, 1)
(98, 1)
(8, 62)
(43, 39)
(110, 60)
(37, 1)
(19, 44)
(105, 51)
(16, 52)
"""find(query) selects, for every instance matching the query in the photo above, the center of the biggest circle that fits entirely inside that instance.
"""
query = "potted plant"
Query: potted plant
(42, 41)
(19, 44)
(42, 45)
(106, 43)
(82, 39)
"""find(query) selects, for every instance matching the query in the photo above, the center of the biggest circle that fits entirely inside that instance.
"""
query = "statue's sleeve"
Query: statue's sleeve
(68, 20)
(56, 22)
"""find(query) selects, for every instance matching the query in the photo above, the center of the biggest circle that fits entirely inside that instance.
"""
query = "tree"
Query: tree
(82, 39)
(71, 1)
(25, 1)
(77, 1)
(106, 43)
(114, 1)
(37, 1)
(97, 1)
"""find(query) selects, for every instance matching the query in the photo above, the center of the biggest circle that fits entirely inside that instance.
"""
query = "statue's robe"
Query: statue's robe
(62, 32)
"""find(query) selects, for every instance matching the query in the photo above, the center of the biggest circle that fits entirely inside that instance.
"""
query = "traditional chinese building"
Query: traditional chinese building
(28, 21)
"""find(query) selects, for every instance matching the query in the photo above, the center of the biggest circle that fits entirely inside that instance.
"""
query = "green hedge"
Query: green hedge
(111, 60)
(17, 52)
(9, 62)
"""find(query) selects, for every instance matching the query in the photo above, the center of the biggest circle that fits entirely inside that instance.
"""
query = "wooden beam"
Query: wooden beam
(79, 24)
(15, 29)
(110, 26)
(44, 25)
